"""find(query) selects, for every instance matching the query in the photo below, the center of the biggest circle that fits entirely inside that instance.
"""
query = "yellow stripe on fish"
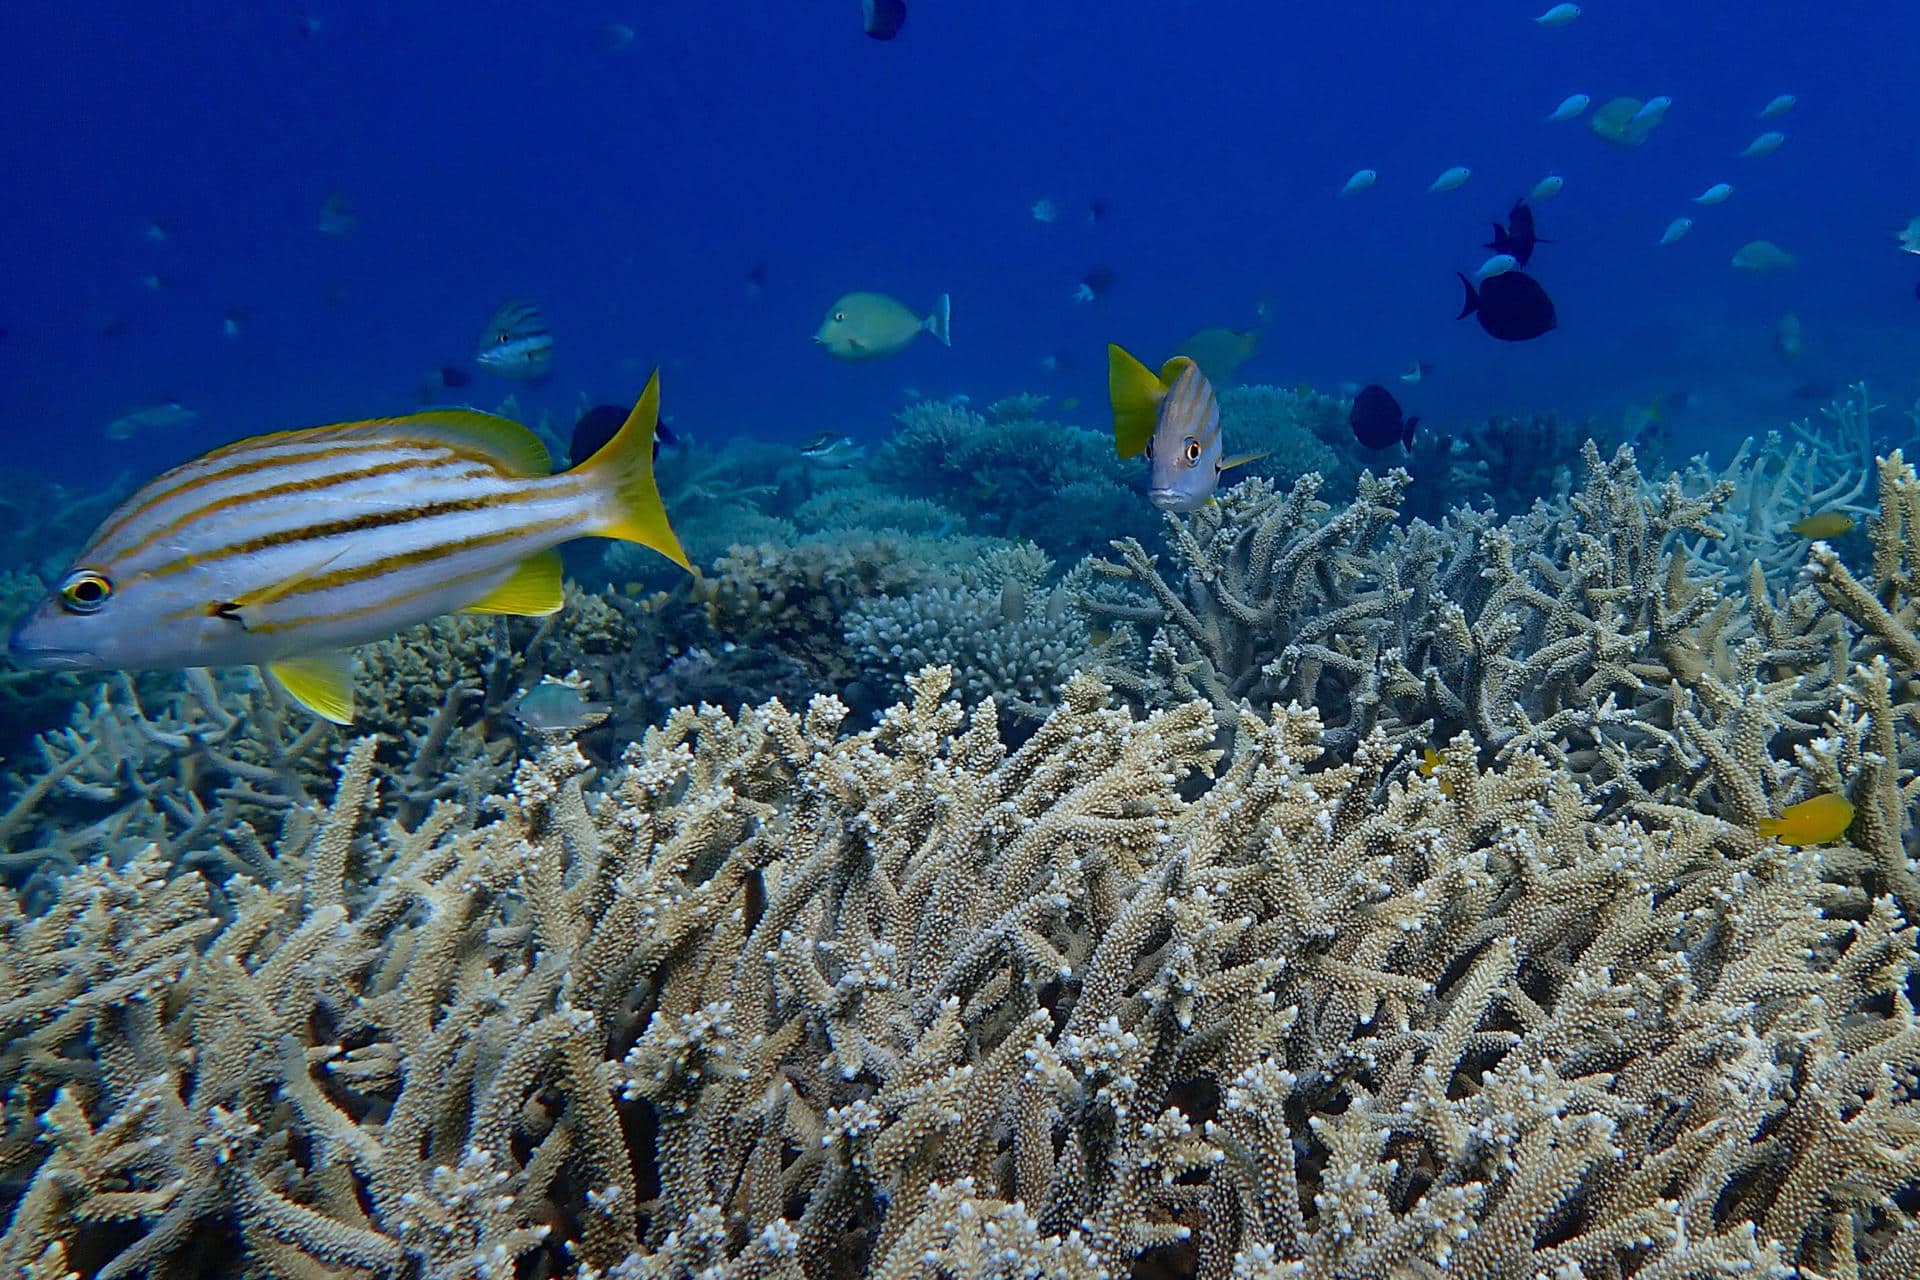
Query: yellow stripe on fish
(282, 549)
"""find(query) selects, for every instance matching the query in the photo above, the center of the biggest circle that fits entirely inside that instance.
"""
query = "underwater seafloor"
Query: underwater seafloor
(972, 872)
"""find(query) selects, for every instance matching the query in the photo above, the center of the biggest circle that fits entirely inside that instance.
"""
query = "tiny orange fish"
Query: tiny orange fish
(1828, 524)
(1820, 820)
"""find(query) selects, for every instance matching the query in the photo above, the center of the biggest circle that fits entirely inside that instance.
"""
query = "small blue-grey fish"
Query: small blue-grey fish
(556, 707)
(283, 550)
(1174, 418)
(517, 343)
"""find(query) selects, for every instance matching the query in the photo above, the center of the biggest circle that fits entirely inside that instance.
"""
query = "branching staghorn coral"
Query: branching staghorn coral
(1275, 602)
(775, 999)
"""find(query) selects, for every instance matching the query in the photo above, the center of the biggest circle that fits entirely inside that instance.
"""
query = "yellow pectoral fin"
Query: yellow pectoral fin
(320, 682)
(1242, 459)
(1136, 392)
(534, 589)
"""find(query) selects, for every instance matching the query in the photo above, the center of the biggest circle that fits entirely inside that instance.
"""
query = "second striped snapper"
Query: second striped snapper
(517, 343)
(283, 550)
(1174, 418)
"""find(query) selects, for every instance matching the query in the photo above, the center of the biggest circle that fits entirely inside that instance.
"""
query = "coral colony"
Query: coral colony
(1362, 876)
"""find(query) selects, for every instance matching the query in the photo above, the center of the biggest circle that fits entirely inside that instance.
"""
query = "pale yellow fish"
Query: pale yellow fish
(284, 550)
(1759, 257)
(1219, 352)
(1621, 123)
(866, 326)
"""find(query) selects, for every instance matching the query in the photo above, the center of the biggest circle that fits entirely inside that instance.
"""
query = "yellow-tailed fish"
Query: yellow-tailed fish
(1219, 352)
(1817, 821)
(1827, 524)
(866, 326)
(283, 550)
(1174, 418)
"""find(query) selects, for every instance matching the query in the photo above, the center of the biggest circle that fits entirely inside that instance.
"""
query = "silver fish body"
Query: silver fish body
(305, 542)
(1185, 450)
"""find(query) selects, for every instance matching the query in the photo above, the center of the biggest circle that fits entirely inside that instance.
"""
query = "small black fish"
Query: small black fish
(1376, 421)
(756, 279)
(1512, 306)
(1517, 236)
(1815, 391)
(1094, 285)
(454, 377)
(597, 426)
(884, 18)
(1097, 211)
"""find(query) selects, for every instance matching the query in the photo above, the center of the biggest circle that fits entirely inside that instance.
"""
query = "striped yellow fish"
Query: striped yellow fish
(1174, 418)
(283, 550)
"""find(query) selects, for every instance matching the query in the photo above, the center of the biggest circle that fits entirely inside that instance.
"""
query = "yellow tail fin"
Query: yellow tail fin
(1136, 392)
(622, 472)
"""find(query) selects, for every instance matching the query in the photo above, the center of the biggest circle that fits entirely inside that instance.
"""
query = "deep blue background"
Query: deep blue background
(492, 150)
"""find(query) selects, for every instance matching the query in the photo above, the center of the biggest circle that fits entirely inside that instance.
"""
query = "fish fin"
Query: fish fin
(1136, 392)
(1653, 409)
(1241, 460)
(533, 590)
(320, 682)
(513, 447)
(1472, 304)
(622, 471)
(1407, 441)
(940, 322)
(246, 609)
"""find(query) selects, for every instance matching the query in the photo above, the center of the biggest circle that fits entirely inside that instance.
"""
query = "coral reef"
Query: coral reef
(772, 999)
(1005, 632)
(1017, 477)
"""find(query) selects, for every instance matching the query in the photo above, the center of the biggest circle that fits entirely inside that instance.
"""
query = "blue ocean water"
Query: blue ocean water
(494, 150)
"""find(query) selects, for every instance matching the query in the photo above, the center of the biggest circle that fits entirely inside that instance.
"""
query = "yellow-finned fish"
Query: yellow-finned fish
(1827, 524)
(866, 326)
(1174, 418)
(283, 550)
(1820, 820)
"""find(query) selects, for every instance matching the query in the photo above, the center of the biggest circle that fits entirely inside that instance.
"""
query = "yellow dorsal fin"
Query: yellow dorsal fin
(1136, 392)
(533, 589)
(320, 682)
(512, 447)
(622, 472)
(1242, 459)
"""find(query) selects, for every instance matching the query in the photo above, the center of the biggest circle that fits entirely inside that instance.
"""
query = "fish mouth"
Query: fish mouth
(24, 650)
(1171, 500)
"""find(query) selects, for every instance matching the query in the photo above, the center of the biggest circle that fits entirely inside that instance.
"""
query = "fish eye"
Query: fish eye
(84, 591)
(1192, 449)
(840, 316)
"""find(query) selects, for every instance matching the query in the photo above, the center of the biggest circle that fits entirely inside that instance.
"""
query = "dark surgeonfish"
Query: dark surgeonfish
(883, 18)
(1376, 421)
(517, 343)
(1512, 307)
(1517, 237)
(596, 426)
